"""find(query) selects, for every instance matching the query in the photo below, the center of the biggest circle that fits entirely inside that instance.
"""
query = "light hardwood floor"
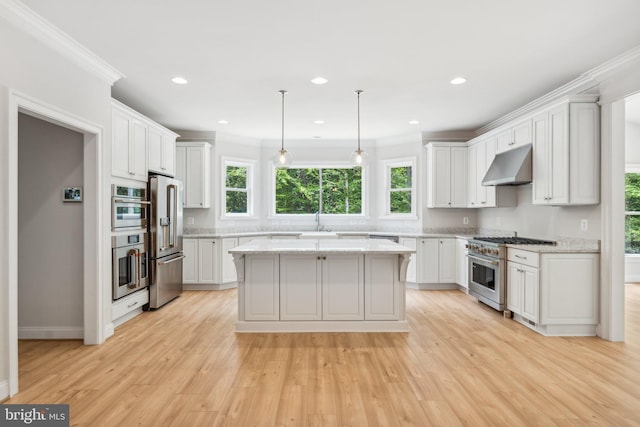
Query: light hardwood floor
(461, 364)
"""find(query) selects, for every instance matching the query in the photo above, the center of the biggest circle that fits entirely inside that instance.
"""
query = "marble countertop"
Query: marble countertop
(203, 234)
(324, 246)
(563, 245)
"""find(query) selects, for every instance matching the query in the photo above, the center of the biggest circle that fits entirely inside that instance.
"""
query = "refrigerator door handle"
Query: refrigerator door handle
(172, 260)
(172, 211)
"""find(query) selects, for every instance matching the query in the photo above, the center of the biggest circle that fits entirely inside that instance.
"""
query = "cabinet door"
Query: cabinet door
(441, 177)
(343, 287)
(490, 151)
(521, 133)
(138, 151)
(462, 263)
(472, 177)
(540, 163)
(428, 261)
(458, 177)
(382, 297)
(229, 273)
(514, 288)
(559, 155)
(300, 287)
(190, 262)
(504, 140)
(412, 267)
(168, 165)
(193, 192)
(447, 260)
(120, 144)
(155, 150)
(209, 261)
(530, 293)
(481, 171)
(261, 288)
(181, 171)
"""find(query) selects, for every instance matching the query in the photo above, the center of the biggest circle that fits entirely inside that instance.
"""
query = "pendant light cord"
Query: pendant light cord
(358, 92)
(283, 92)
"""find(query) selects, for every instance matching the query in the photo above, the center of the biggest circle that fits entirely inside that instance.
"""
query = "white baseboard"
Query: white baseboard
(323, 326)
(123, 319)
(4, 390)
(50, 333)
(208, 286)
(109, 330)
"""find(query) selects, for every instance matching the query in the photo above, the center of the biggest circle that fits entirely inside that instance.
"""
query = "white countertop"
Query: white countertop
(189, 234)
(324, 246)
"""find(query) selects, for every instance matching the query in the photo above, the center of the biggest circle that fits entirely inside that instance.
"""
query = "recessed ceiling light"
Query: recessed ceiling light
(317, 137)
(414, 122)
(319, 122)
(180, 80)
(319, 81)
(223, 122)
(458, 80)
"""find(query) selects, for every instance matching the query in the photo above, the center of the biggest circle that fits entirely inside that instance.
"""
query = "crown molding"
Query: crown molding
(25, 19)
(586, 83)
(447, 136)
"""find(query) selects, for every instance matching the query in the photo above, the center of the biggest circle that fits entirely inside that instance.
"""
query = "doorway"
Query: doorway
(94, 236)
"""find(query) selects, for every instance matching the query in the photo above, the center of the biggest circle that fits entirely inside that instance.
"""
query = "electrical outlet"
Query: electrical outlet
(190, 220)
(465, 220)
(584, 225)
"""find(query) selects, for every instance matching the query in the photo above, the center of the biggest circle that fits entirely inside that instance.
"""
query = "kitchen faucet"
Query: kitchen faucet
(318, 226)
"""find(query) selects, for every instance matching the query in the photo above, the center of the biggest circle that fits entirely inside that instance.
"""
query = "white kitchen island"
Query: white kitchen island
(321, 285)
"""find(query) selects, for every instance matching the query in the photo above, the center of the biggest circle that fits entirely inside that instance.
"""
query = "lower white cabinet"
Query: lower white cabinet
(554, 293)
(190, 263)
(343, 287)
(262, 298)
(412, 269)
(208, 261)
(381, 301)
(436, 260)
(128, 307)
(462, 263)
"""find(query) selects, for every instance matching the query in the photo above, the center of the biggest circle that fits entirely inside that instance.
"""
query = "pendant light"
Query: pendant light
(359, 157)
(283, 157)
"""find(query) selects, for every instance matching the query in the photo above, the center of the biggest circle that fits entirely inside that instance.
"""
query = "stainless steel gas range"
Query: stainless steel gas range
(488, 267)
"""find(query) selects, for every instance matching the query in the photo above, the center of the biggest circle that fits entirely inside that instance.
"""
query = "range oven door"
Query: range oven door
(486, 280)
(130, 270)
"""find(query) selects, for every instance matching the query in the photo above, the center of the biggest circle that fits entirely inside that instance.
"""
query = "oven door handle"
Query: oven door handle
(489, 261)
(134, 201)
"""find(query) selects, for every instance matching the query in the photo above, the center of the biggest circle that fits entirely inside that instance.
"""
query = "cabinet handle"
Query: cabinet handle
(483, 202)
(521, 257)
(132, 305)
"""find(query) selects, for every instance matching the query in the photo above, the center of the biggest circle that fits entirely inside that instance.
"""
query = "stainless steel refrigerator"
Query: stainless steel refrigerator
(165, 234)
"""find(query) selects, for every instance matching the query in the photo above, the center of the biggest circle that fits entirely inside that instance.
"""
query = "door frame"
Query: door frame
(93, 243)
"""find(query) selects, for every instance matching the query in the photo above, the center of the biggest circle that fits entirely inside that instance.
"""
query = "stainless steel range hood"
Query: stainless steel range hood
(512, 167)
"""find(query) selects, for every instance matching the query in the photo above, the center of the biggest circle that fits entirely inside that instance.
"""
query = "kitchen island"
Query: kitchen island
(321, 285)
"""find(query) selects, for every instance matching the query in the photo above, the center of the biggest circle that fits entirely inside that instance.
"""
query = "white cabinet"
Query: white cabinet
(382, 301)
(209, 260)
(193, 167)
(128, 307)
(300, 287)
(436, 260)
(228, 270)
(129, 144)
(480, 155)
(412, 269)
(446, 175)
(262, 296)
(462, 264)
(515, 136)
(566, 155)
(554, 293)
(343, 287)
(162, 148)
(190, 263)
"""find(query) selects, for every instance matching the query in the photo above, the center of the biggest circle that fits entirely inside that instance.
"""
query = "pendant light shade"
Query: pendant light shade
(282, 157)
(359, 157)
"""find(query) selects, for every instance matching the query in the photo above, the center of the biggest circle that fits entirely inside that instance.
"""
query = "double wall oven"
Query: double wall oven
(130, 264)
(488, 267)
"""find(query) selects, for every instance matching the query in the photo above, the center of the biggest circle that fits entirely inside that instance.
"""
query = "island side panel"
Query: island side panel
(261, 287)
(343, 287)
(382, 291)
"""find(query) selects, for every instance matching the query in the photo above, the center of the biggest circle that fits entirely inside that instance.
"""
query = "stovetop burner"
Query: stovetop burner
(515, 240)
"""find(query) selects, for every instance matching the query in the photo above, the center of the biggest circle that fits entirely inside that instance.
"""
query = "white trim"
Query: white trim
(109, 330)
(324, 326)
(250, 190)
(126, 317)
(28, 21)
(4, 390)
(50, 333)
(95, 236)
(385, 174)
(632, 168)
(209, 286)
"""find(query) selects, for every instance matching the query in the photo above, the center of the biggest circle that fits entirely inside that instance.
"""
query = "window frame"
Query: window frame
(386, 166)
(250, 185)
(318, 165)
(630, 168)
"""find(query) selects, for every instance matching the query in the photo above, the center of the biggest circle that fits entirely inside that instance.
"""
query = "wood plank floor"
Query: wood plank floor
(461, 364)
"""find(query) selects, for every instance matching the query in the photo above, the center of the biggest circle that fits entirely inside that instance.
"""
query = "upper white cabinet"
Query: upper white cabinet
(446, 175)
(129, 147)
(162, 149)
(480, 155)
(193, 167)
(139, 145)
(514, 136)
(566, 160)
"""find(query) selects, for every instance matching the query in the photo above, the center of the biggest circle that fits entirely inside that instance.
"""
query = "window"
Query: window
(326, 190)
(400, 188)
(632, 213)
(237, 199)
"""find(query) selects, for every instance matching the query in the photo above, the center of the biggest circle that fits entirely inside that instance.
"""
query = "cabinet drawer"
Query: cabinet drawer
(531, 259)
(129, 303)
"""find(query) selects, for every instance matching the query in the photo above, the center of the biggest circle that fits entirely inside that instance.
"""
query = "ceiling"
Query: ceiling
(236, 55)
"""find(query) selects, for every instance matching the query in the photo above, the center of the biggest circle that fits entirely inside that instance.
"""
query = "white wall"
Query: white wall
(537, 221)
(38, 71)
(632, 143)
(50, 232)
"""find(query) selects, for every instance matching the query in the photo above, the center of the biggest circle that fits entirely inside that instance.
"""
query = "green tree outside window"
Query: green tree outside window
(236, 190)
(400, 190)
(632, 213)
